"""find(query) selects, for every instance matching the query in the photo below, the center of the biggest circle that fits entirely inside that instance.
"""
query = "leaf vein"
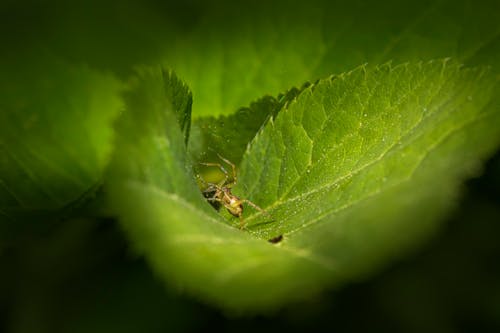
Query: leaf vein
(379, 190)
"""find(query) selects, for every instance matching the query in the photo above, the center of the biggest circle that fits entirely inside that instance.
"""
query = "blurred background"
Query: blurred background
(78, 274)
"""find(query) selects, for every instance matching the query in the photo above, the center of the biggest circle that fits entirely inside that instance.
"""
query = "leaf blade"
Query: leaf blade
(273, 46)
(56, 136)
(348, 145)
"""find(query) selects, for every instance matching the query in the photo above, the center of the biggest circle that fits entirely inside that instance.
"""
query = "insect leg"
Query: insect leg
(255, 206)
(242, 222)
(235, 176)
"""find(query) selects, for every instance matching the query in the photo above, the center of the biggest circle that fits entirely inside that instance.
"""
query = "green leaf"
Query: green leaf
(181, 98)
(154, 127)
(233, 53)
(230, 135)
(55, 133)
(356, 170)
(361, 166)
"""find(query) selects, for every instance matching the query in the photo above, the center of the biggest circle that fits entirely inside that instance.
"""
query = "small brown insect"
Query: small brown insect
(220, 194)
(276, 239)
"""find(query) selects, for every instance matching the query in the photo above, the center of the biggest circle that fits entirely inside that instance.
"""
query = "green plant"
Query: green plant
(356, 165)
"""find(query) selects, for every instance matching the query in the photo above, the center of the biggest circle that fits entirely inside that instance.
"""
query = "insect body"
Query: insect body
(220, 194)
(276, 240)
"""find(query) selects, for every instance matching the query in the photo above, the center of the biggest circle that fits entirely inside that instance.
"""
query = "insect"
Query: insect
(220, 194)
(276, 239)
